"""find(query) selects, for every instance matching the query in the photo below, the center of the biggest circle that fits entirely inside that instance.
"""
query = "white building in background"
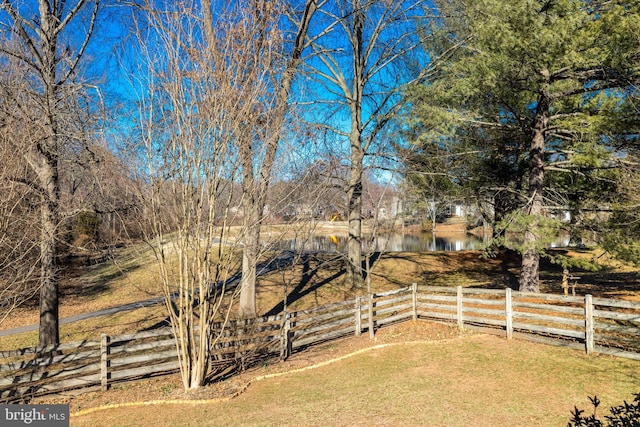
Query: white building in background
(457, 210)
(390, 209)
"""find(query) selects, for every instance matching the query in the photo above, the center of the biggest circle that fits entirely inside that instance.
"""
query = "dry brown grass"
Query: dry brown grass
(133, 276)
(422, 377)
(475, 380)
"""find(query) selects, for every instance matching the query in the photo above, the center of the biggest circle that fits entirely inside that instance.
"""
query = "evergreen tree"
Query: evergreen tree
(539, 82)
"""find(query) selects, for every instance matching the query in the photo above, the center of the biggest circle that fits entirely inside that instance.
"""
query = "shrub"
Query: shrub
(85, 226)
(625, 415)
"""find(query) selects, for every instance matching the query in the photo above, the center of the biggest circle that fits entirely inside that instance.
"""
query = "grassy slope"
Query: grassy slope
(133, 276)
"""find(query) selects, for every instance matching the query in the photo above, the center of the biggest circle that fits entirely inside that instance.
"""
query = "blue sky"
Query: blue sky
(112, 62)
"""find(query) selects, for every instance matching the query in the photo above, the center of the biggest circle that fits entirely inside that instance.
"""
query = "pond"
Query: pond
(395, 242)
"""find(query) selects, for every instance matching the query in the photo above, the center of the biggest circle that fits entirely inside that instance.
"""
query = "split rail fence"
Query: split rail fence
(597, 325)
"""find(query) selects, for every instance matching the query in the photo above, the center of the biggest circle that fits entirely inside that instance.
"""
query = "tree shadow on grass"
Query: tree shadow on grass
(608, 284)
(308, 283)
(471, 269)
(82, 280)
(466, 268)
(305, 286)
(164, 323)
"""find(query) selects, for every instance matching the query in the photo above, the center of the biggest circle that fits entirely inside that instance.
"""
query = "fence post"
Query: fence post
(290, 335)
(358, 316)
(104, 361)
(414, 290)
(371, 323)
(508, 313)
(459, 308)
(588, 324)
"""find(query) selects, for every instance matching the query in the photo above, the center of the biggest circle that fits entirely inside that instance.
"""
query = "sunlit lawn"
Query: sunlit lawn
(472, 381)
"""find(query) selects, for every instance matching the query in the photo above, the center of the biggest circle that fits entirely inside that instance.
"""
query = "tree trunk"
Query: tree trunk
(354, 243)
(47, 171)
(250, 255)
(48, 331)
(255, 196)
(530, 272)
(354, 190)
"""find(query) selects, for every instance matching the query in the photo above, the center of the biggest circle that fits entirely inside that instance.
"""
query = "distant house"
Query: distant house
(390, 208)
(562, 214)
(456, 210)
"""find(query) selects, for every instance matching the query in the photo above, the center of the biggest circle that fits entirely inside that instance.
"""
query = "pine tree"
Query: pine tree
(541, 79)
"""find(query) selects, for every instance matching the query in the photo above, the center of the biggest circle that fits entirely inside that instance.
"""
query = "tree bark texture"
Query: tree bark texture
(530, 272)
(354, 189)
(354, 242)
(48, 334)
(250, 255)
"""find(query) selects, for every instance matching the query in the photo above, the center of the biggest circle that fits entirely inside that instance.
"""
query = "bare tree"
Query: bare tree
(185, 135)
(211, 117)
(46, 42)
(258, 149)
(361, 68)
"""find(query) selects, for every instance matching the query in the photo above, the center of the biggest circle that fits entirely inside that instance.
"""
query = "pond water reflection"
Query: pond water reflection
(395, 242)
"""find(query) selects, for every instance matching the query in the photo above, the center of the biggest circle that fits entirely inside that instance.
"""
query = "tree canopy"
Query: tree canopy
(537, 89)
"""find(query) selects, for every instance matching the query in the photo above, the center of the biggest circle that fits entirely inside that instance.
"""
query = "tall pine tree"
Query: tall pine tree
(542, 80)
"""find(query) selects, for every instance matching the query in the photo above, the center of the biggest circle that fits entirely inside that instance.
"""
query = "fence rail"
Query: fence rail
(598, 325)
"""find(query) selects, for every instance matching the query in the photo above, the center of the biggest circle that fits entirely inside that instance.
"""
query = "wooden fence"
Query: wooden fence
(597, 325)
